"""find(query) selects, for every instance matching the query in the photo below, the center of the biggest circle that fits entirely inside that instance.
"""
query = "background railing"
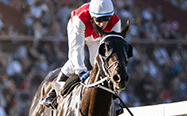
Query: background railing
(170, 109)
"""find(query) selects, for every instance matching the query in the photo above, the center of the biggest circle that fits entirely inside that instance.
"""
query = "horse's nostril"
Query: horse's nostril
(116, 78)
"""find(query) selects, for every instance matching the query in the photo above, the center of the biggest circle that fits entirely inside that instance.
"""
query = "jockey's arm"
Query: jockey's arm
(76, 44)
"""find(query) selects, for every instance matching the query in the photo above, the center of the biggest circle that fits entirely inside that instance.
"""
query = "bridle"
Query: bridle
(103, 67)
(107, 76)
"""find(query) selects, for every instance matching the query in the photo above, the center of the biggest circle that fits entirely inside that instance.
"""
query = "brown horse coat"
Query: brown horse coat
(68, 106)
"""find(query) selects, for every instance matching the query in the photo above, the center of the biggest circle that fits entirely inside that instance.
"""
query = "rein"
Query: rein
(107, 78)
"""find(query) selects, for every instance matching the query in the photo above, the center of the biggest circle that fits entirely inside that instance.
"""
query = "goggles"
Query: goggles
(101, 19)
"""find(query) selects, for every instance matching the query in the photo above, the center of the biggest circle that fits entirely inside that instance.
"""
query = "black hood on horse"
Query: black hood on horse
(114, 52)
(113, 45)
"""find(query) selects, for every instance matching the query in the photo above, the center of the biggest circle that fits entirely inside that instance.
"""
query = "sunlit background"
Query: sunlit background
(33, 42)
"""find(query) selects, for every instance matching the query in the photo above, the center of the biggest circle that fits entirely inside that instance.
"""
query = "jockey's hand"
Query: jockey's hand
(84, 76)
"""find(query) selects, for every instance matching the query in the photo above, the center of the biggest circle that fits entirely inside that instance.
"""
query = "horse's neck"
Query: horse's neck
(96, 102)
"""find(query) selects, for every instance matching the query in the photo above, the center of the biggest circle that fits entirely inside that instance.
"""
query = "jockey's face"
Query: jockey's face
(102, 21)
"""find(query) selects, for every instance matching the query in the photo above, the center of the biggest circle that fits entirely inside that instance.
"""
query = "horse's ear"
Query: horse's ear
(98, 30)
(125, 29)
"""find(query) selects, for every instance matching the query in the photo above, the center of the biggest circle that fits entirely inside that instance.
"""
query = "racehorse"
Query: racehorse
(95, 96)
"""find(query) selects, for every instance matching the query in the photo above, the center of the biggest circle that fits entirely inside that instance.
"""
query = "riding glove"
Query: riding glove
(84, 76)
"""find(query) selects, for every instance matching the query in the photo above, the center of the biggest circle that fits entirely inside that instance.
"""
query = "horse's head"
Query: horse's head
(114, 53)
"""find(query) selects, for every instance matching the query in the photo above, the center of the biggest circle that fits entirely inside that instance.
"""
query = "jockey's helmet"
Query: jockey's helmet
(100, 8)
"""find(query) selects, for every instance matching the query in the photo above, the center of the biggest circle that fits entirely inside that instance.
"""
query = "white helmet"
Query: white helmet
(99, 8)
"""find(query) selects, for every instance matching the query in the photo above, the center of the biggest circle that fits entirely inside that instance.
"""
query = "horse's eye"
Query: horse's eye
(102, 49)
(109, 49)
(109, 46)
(106, 49)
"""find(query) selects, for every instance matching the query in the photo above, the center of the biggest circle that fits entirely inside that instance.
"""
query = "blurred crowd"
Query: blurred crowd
(157, 71)
(23, 70)
(50, 17)
(179, 3)
(157, 75)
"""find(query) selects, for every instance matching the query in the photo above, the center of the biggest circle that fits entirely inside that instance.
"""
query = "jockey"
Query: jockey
(80, 32)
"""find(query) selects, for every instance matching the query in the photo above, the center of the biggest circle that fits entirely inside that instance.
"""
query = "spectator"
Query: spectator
(13, 68)
(161, 55)
(2, 111)
(1, 25)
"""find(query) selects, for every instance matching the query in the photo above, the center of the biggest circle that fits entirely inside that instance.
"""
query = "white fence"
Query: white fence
(170, 109)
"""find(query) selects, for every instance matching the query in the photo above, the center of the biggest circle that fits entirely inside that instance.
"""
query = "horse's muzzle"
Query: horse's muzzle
(119, 83)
